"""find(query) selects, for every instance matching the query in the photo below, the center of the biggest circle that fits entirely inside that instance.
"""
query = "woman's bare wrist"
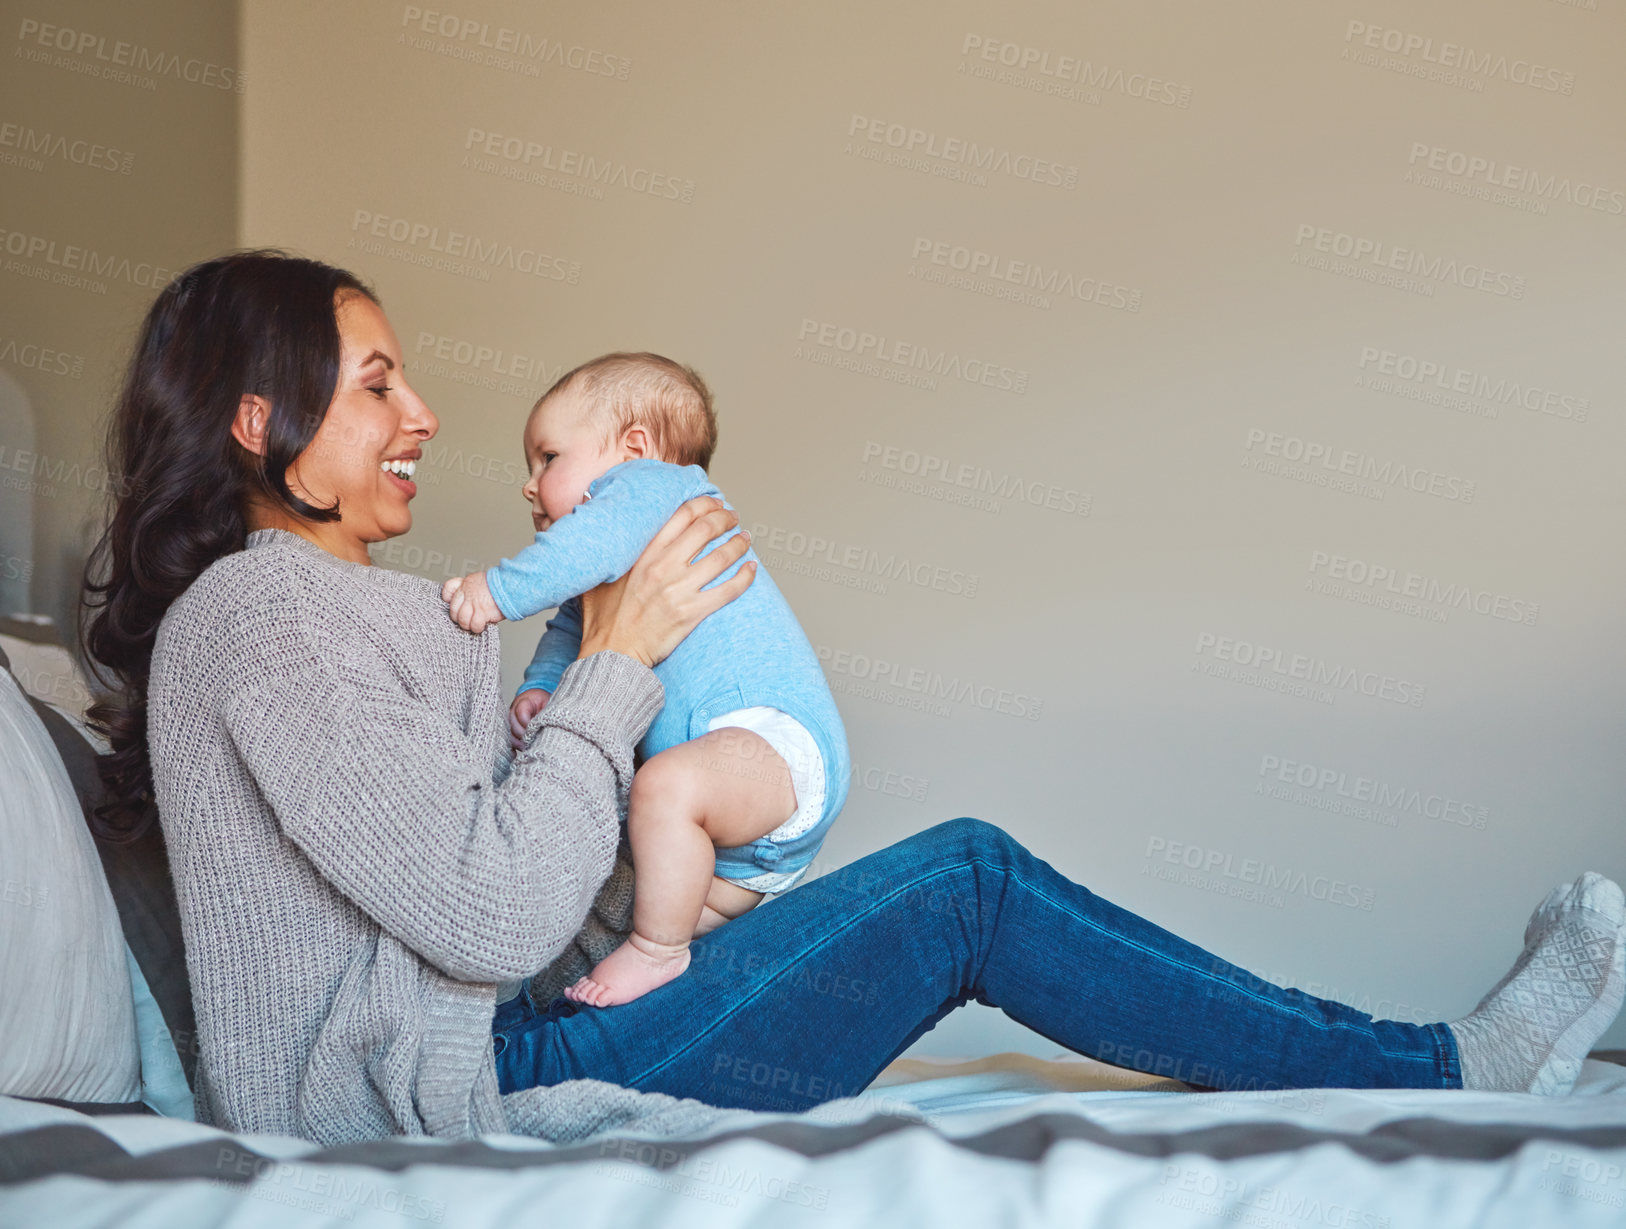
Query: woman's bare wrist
(597, 644)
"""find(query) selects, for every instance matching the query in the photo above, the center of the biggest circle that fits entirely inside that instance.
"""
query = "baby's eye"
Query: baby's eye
(548, 456)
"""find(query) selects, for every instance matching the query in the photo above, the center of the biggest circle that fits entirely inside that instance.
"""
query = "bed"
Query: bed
(97, 1046)
(1010, 1140)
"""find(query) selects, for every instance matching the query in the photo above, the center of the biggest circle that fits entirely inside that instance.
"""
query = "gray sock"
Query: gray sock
(1534, 1028)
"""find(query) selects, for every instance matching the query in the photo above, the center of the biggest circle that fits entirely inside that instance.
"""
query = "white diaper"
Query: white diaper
(795, 745)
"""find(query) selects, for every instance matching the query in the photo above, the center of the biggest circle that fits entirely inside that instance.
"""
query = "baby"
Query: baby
(745, 768)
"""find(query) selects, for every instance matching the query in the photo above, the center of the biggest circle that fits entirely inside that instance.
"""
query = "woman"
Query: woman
(359, 864)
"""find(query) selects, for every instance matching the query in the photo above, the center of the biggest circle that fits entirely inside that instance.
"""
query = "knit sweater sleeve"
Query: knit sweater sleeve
(397, 808)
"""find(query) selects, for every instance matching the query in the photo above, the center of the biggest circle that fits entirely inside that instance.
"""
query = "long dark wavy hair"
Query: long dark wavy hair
(255, 322)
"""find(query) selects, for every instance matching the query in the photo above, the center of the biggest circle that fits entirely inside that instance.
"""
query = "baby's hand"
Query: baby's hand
(527, 704)
(472, 606)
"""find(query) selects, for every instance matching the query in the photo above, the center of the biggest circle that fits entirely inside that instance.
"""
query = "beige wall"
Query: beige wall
(1237, 240)
(118, 168)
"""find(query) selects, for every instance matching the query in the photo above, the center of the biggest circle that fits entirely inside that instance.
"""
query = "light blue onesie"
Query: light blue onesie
(750, 653)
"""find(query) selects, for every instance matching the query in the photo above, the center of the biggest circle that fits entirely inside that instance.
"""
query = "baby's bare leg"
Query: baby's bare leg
(727, 788)
(724, 902)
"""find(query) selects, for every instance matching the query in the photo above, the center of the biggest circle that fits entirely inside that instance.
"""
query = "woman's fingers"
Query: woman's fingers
(720, 560)
(706, 525)
(685, 516)
(663, 596)
(721, 595)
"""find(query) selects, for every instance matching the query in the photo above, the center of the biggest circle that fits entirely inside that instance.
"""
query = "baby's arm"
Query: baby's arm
(557, 649)
(599, 541)
(560, 644)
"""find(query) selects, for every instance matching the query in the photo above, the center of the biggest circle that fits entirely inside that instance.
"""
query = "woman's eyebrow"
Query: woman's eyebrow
(389, 363)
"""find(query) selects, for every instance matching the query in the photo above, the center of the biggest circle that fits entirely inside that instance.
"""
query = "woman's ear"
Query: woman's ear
(248, 428)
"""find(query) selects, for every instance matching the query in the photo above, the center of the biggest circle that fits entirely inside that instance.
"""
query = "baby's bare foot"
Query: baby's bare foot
(584, 990)
(631, 971)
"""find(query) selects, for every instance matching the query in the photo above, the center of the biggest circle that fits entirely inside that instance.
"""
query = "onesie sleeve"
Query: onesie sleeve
(486, 880)
(557, 648)
(600, 539)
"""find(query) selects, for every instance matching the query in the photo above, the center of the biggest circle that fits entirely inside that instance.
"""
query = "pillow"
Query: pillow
(138, 874)
(163, 1082)
(67, 1013)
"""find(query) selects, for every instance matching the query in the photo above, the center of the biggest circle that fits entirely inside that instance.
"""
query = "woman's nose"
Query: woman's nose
(419, 417)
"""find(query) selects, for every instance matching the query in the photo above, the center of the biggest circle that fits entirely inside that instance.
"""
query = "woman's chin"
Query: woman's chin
(393, 522)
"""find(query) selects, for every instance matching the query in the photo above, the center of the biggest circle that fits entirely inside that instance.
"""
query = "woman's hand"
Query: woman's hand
(662, 598)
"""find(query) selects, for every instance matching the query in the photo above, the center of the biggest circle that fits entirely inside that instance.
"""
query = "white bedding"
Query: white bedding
(997, 1142)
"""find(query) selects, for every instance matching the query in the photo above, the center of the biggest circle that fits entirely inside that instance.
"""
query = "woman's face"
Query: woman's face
(372, 437)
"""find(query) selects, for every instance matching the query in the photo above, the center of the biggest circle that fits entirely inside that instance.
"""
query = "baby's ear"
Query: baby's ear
(636, 443)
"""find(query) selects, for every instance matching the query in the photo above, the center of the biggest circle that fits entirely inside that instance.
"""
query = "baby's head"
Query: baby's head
(615, 408)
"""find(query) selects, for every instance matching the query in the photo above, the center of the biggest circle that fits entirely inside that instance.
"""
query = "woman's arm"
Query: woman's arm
(398, 811)
(487, 881)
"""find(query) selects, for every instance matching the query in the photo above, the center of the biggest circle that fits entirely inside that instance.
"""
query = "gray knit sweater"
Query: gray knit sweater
(359, 860)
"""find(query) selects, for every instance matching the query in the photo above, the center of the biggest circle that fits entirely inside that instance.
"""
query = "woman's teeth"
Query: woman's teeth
(401, 469)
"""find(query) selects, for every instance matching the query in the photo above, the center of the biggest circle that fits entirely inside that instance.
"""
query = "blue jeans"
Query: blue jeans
(807, 997)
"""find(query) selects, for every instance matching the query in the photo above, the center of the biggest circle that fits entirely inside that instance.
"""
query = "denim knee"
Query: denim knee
(968, 837)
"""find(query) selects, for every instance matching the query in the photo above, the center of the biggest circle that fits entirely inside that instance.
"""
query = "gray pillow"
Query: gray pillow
(143, 893)
(67, 1010)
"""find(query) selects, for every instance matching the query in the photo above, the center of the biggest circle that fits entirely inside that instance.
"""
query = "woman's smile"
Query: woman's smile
(400, 470)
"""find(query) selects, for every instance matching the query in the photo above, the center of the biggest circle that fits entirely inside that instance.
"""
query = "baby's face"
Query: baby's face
(565, 451)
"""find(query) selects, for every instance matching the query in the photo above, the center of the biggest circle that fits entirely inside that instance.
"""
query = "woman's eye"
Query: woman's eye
(379, 390)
